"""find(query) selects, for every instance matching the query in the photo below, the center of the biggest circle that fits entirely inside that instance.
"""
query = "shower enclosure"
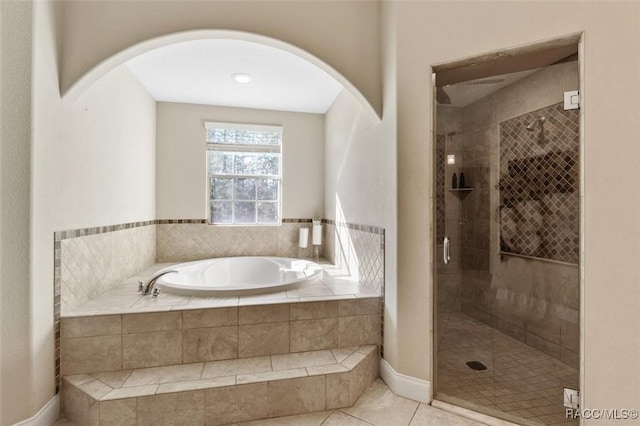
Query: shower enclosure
(507, 241)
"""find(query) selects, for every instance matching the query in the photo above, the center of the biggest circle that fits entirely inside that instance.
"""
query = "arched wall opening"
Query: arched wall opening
(76, 89)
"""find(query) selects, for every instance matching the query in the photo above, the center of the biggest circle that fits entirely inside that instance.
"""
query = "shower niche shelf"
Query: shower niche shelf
(461, 192)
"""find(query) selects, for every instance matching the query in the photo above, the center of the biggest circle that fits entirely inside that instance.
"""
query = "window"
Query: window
(244, 170)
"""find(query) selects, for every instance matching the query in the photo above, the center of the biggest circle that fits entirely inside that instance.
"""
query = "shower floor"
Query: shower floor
(520, 382)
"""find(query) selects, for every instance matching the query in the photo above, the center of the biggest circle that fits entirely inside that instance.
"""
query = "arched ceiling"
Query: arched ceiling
(200, 71)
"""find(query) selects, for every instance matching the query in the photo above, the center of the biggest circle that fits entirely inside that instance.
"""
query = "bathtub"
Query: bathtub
(235, 276)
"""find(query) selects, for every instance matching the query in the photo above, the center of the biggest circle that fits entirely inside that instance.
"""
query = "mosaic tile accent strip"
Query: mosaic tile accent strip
(366, 228)
(440, 178)
(539, 185)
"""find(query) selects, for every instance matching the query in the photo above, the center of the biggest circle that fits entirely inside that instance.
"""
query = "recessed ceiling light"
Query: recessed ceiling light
(241, 77)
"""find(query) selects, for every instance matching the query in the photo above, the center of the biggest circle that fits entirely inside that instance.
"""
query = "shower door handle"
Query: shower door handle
(446, 256)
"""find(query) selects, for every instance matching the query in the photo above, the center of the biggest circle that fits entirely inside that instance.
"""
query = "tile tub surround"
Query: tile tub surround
(91, 261)
(357, 250)
(183, 242)
(190, 334)
(222, 392)
(82, 246)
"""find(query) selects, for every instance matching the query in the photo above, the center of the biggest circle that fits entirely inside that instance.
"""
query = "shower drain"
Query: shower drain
(476, 365)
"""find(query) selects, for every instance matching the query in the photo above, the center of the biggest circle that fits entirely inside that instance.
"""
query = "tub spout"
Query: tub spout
(148, 287)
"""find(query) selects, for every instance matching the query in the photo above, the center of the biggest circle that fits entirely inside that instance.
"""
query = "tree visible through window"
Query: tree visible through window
(244, 170)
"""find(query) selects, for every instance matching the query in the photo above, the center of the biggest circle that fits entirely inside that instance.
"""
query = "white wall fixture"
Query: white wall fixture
(317, 232)
(303, 238)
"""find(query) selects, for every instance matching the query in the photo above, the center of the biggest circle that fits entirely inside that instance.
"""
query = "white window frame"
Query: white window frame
(249, 148)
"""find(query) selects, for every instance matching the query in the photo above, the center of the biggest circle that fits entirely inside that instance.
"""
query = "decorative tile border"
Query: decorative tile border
(365, 228)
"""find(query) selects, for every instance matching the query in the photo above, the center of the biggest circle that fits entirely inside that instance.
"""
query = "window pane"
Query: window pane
(221, 212)
(245, 189)
(221, 162)
(268, 164)
(267, 212)
(221, 189)
(245, 137)
(267, 189)
(245, 164)
(245, 212)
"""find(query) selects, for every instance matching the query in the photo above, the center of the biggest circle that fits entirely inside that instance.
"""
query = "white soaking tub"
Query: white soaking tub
(235, 276)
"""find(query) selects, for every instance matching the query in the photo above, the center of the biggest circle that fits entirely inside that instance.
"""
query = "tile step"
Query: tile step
(221, 392)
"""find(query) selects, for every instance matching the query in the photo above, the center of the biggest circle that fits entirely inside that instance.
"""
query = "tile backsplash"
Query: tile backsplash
(90, 265)
(181, 242)
(358, 250)
(90, 261)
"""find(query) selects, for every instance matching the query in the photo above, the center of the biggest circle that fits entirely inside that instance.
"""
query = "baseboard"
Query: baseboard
(406, 386)
(46, 416)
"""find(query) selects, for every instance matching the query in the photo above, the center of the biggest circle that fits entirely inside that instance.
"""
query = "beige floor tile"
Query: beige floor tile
(63, 422)
(95, 388)
(341, 354)
(296, 396)
(157, 375)
(115, 379)
(378, 405)
(271, 375)
(338, 418)
(430, 416)
(234, 367)
(196, 384)
(303, 359)
(311, 419)
(327, 369)
(131, 392)
(183, 408)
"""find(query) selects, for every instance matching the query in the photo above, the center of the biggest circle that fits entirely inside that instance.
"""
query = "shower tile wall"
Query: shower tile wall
(539, 185)
(534, 301)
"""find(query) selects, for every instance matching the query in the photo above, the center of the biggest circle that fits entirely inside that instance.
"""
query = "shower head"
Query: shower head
(532, 125)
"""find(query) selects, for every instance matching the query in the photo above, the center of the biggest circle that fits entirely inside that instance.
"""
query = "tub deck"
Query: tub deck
(124, 298)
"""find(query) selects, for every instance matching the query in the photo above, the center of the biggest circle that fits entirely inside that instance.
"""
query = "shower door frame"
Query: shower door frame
(575, 39)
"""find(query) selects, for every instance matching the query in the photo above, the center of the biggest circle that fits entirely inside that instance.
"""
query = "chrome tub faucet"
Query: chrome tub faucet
(148, 288)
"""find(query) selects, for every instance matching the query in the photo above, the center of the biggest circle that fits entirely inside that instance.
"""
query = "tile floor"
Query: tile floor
(378, 406)
(124, 298)
(519, 380)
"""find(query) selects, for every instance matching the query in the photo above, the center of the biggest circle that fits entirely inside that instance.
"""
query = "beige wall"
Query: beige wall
(343, 34)
(436, 32)
(15, 133)
(358, 165)
(181, 174)
(93, 164)
(359, 176)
